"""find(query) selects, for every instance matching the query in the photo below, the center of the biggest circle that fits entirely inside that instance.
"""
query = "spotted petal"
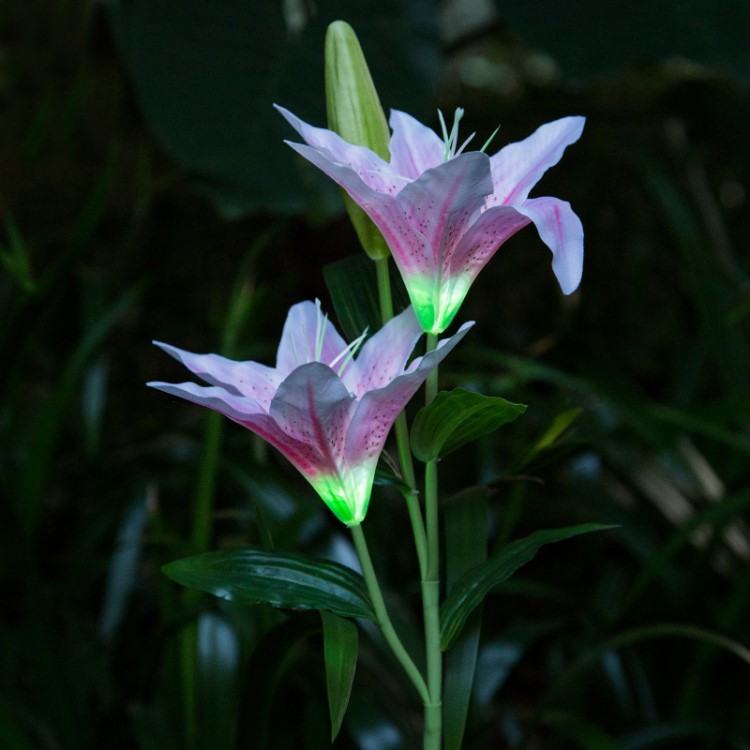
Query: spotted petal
(385, 354)
(443, 202)
(480, 242)
(519, 166)
(378, 409)
(361, 161)
(241, 378)
(248, 413)
(314, 407)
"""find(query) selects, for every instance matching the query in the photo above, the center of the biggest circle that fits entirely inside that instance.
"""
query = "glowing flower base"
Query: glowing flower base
(444, 212)
(324, 408)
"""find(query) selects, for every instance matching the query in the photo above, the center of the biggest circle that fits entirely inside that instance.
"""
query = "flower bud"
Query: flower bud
(355, 113)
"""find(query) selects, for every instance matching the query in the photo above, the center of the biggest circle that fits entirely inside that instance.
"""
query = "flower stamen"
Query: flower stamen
(348, 352)
(450, 140)
(489, 140)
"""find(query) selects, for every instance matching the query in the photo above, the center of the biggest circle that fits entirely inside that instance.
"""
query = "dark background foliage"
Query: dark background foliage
(145, 192)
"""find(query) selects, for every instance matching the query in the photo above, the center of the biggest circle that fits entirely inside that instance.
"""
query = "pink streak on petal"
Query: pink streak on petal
(363, 162)
(561, 230)
(299, 339)
(246, 412)
(231, 405)
(376, 176)
(414, 147)
(313, 407)
(519, 166)
(408, 246)
(242, 378)
(384, 355)
(483, 238)
(442, 203)
(378, 409)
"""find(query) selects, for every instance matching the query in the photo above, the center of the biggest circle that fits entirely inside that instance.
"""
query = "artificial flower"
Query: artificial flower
(324, 408)
(444, 211)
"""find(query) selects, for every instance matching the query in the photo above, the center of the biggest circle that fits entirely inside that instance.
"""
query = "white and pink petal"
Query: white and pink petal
(314, 407)
(242, 378)
(561, 230)
(378, 409)
(414, 147)
(519, 166)
(385, 354)
(308, 336)
(480, 242)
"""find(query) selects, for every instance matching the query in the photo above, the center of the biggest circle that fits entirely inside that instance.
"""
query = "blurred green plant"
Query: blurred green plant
(630, 640)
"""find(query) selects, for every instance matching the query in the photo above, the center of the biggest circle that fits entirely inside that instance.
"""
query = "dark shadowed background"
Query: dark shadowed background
(146, 192)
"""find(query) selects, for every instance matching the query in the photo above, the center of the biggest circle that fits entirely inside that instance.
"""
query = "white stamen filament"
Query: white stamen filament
(450, 140)
(348, 353)
(489, 140)
(320, 331)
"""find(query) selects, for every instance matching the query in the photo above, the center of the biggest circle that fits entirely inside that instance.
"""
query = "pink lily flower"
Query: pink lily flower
(326, 410)
(444, 212)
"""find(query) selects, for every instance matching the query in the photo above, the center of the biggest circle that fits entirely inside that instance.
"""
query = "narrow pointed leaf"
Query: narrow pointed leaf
(340, 647)
(282, 579)
(469, 591)
(550, 439)
(457, 417)
(465, 547)
(559, 424)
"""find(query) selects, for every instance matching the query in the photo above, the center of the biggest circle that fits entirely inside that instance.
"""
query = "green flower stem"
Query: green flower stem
(402, 430)
(384, 290)
(384, 621)
(431, 586)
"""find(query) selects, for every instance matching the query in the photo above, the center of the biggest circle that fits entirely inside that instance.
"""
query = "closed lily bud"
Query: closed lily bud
(355, 113)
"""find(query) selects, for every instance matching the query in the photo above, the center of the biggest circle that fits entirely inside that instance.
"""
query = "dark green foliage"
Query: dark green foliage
(242, 57)
(707, 32)
(456, 418)
(637, 386)
(252, 576)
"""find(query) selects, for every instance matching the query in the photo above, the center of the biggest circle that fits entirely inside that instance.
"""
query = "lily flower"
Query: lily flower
(328, 411)
(444, 211)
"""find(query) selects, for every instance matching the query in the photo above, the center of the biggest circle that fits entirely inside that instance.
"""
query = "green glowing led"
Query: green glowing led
(347, 494)
(436, 303)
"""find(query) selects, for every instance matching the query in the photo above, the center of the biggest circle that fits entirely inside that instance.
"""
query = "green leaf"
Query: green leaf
(469, 591)
(207, 73)
(282, 579)
(465, 518)
(559, 424)
(457, 417)
(353, 286)
(340, 646)
(277, 654)
(589, 39)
